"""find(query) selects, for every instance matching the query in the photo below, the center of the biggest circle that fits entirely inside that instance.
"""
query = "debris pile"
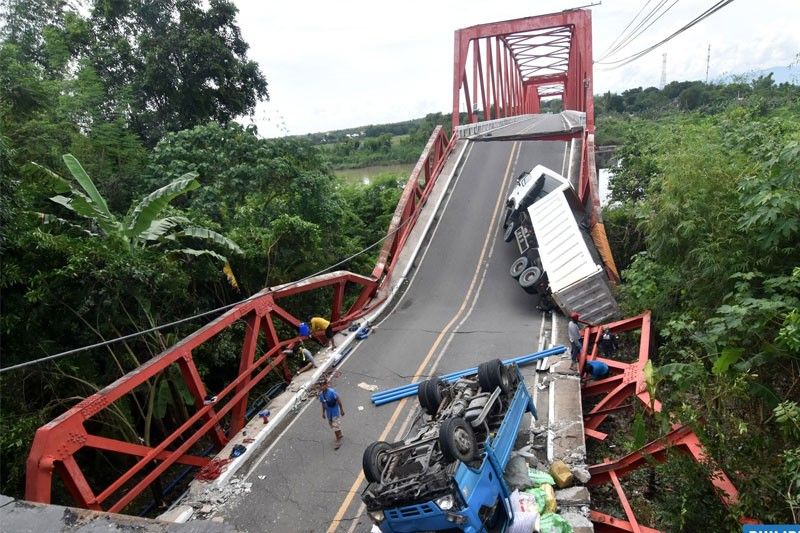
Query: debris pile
(545, 498)
(209, 501)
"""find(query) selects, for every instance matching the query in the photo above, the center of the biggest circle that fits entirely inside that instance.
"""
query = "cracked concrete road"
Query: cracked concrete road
(462, 304)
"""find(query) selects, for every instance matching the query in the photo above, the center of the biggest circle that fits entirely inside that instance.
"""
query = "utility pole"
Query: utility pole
(663, 70)
(708, 61)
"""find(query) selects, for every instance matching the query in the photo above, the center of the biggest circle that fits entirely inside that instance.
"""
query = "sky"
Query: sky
(337, 65)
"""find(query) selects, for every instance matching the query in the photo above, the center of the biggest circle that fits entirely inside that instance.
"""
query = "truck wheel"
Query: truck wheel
(508, 234)
(507, 217)
(493, 374)
(429, 394)
(374, 460)
(456, 440)
(518, 266)
(529, 278)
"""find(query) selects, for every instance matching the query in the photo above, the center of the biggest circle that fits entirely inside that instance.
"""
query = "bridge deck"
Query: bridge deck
(460, 308)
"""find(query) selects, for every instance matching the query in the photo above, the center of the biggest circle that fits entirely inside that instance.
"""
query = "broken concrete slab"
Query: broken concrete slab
(28, 517)
(573, 496)
(579, 523)
(581, 474)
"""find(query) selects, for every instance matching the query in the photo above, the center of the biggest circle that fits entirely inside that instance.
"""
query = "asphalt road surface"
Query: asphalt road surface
(460, 308)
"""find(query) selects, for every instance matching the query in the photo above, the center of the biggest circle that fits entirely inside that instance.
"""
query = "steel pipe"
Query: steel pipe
(397, 393)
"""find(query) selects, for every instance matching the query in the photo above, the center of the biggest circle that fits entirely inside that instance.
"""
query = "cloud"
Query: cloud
(333, 65)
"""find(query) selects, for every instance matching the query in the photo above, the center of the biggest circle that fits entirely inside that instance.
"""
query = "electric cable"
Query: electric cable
(622, 62)
(199, 315)
(618, 37)
(641, 29)
(621, 36)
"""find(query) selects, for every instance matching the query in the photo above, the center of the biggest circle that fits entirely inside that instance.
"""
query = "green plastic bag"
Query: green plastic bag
(541, 498)
(554, 523)
(538, 477)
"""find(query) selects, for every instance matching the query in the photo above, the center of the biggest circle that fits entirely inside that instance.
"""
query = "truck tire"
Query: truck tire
(508, 233)
(457, 441)
(507, 216)
(529, 278)
(493, 374)
(519, 266)
(374, 460)
(429, 394)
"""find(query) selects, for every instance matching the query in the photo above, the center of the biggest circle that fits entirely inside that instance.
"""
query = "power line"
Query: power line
(199, 315)
(642, 29)
(652, 17)
(608, 50)
(622, 62)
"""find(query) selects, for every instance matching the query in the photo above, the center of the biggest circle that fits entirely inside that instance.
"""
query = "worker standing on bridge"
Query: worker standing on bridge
(333, 410)
(320, 324)
(574, 332)
(608, 343)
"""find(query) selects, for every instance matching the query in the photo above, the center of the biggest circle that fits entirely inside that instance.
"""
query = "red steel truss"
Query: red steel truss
(516, 62)
(57, 444)
(626, 380)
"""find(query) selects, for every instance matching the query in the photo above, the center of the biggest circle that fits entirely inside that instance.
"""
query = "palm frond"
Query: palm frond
(47, 218)
(60, 184)
(87, 184)
(152, 204)
(159, 228)
(211, 236)
(197, 253)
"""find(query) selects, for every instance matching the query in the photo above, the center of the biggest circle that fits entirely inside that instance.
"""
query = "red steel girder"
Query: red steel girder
(56, 444)
(681, 438)
(558, 44)
(624, 380)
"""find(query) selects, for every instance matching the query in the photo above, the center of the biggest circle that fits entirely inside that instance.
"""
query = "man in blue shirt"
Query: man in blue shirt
(595, 370)
(333, 410)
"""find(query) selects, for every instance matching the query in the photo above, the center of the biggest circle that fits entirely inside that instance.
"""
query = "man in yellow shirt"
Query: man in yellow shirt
(320, 324)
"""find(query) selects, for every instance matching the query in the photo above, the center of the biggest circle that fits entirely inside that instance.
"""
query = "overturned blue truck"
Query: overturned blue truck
(447, 473)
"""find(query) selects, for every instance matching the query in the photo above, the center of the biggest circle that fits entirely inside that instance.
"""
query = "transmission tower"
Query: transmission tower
(708, 61)
(663, 70)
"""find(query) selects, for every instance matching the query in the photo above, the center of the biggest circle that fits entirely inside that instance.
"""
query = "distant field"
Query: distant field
(360, 175)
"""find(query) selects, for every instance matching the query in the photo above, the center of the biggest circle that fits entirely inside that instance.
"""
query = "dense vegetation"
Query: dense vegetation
(705, 222)
(166, 207)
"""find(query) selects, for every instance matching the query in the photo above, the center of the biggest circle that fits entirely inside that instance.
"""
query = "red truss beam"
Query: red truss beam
(528, 52)
(680, 438)
(626, 380)
(57, 443)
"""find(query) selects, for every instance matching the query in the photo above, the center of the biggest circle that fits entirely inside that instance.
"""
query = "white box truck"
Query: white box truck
(557, 258)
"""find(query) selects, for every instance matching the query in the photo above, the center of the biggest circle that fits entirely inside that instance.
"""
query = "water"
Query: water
(603, 177)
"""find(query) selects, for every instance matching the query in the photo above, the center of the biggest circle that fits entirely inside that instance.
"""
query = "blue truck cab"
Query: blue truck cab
(448, 476)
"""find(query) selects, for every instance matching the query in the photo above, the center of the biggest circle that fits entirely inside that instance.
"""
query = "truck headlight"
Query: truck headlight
(445, 503)
(376, 517)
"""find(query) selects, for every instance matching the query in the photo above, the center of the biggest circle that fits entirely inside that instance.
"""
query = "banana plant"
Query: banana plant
(141, 227)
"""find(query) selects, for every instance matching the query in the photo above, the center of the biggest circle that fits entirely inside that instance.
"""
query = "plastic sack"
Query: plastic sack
(550, 502)
(522, 502)
(554, 523)
(526, 513)
(516, 474)
(540, 496)
(538, 477)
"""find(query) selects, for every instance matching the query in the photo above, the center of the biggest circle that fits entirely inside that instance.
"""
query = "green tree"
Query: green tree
(141, 227)
(187, 62)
